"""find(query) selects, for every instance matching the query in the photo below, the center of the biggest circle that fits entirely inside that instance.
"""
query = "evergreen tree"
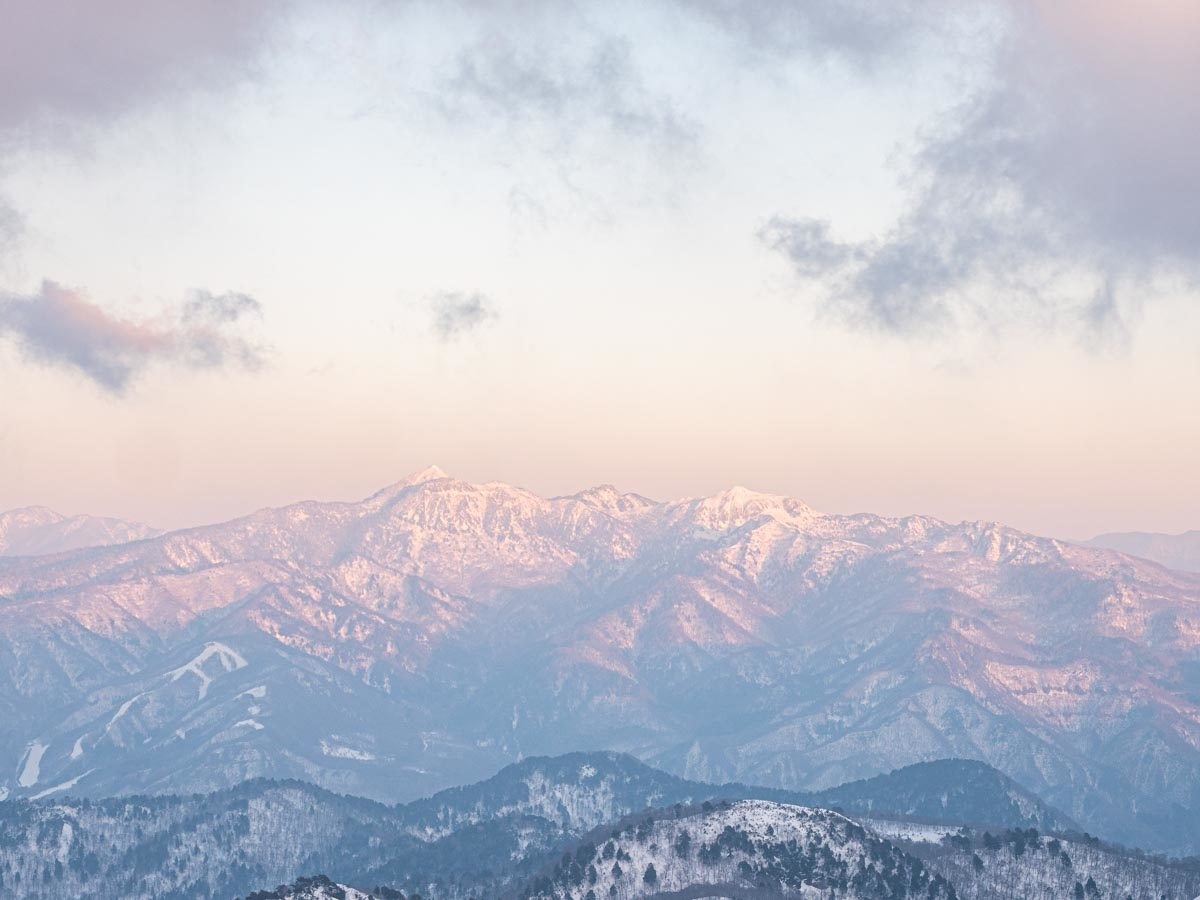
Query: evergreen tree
(683, 845)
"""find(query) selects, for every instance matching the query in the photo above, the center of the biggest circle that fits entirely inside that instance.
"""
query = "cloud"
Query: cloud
(11, 226)
(1062, 194)
(205, 306)
(863, 32)
(809, 246)
(458, 314)
(61, 327)
(67, 65)
(539, 84)
(92, 61)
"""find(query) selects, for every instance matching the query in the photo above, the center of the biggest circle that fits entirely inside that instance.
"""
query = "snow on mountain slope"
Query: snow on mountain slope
(439, 629)
(1032, 866)
(746, 848)
(35, 530)
(316, 888)
(216, 845)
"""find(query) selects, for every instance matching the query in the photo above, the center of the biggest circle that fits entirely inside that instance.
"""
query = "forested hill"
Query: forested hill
(495, 833)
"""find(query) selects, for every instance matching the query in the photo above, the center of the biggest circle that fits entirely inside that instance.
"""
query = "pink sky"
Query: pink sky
(905, 257)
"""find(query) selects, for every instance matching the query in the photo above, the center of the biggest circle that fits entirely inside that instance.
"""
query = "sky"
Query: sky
(899, 256)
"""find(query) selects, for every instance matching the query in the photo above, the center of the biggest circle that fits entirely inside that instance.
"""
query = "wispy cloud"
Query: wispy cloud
(863, 32)
(526, 83)
(61, 327)
(205, 306)
(1060, 195)
(458, 314)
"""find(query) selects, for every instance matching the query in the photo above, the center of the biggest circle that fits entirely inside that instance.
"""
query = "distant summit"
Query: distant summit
(1175, 551)
(36, 530)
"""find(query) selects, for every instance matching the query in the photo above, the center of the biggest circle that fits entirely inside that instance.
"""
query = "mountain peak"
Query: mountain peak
(40, 515)
(737, 505)
(416, 479)
(607, 498)
(429, 473)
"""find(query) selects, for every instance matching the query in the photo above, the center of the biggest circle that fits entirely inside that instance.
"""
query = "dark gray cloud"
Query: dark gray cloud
(1060, 195)
(458, 314)
(521, 83)
(61, 327)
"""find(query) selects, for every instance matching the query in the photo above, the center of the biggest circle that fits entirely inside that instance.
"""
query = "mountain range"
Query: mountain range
(437, 630)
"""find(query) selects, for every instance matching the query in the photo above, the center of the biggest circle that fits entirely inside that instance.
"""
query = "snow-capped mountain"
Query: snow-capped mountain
(759, 849)
(36, 530)
(734, 848)
(438, 629)
(1175, 551)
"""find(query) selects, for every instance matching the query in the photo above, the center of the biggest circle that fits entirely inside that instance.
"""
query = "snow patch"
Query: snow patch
(77, 750)
(70, 783)
(32, 767)
(64, 842)
(124, 708)
(230, 660)
(250, 723)
(257, 692)
(913, 832)
(337, 751)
